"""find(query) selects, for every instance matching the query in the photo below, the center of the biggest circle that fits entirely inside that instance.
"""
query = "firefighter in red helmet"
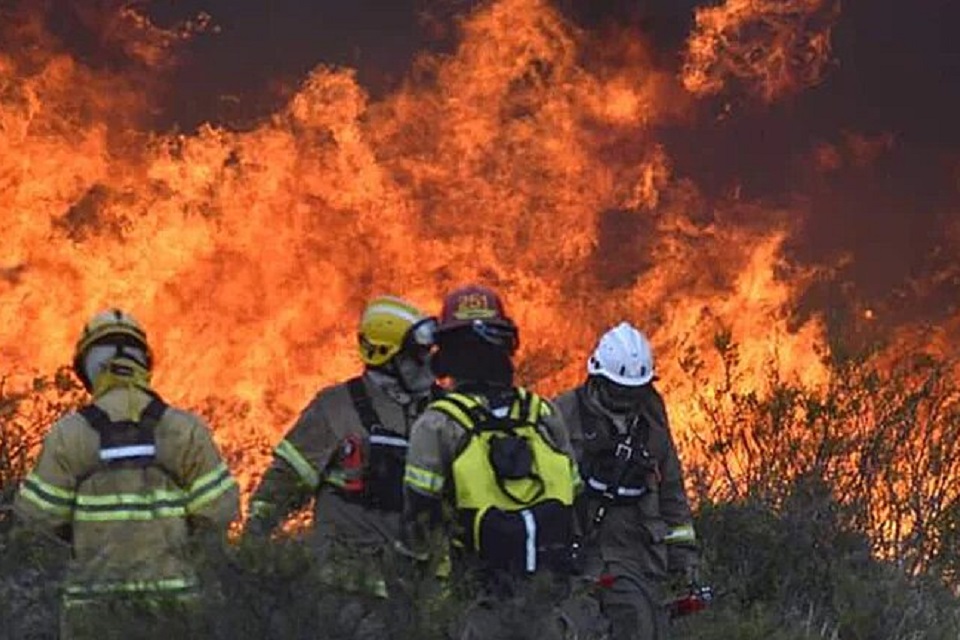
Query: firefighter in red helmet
(496, 458)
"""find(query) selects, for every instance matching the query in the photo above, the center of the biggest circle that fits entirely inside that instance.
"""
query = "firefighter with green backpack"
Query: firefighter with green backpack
(490, 466)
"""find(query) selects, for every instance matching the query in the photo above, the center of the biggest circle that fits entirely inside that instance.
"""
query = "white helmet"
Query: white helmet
(623, 356)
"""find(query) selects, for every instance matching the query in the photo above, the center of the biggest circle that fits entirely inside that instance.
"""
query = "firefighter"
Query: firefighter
(347, 448)
(634, 515)
(127, 480)
(497, 458)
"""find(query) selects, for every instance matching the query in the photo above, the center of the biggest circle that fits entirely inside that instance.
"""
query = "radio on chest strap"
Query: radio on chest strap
(383, 476)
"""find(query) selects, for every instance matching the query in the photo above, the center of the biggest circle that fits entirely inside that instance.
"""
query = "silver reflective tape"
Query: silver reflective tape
(596, 485)
(626, 492)
(531, 525)
(391, 441)
(136, 451)
(394, 309)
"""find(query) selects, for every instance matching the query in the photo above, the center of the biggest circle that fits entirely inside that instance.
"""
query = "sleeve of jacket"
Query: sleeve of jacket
(296, 471)
(682, 547)
(433, 438)
(47, 495)
(553, 421)
(213, 498)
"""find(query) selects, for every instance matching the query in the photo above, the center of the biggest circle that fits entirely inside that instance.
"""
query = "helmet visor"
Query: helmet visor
(420, 339)
(495, 333)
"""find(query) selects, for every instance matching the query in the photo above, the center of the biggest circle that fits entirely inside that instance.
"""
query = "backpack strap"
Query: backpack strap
(465, 410)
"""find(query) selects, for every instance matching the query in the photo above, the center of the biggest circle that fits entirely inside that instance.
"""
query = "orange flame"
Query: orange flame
(773, 48)
(514, 160)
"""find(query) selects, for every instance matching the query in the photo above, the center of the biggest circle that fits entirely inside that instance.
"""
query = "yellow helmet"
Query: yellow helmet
(388, 326)
(111, 327)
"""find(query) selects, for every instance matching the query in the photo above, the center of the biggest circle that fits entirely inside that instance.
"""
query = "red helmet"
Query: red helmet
(480, 309)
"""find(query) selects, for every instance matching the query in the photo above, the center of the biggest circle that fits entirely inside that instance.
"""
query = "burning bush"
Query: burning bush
(824, 513)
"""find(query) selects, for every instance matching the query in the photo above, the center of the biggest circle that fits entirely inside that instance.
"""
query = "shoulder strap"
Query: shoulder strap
(97, 418)
(125, 441)
(363, 405)
(530, 406)
(467, 411)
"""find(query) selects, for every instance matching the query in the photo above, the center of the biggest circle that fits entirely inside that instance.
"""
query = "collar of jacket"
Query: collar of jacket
(391, 387)
(618, 420)
(119, 373)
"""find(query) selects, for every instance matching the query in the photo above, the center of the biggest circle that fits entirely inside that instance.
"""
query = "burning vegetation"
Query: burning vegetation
(535, 155)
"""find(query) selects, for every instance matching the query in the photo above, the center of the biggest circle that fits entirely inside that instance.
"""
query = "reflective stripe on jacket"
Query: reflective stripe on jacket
(130, 525)
(655, 533)
(307, 464)
(436, 440)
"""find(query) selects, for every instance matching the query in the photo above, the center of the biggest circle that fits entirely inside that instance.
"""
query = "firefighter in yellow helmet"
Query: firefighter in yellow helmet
(636, 520)
(127, 479)
(491, 464)
(346, 451)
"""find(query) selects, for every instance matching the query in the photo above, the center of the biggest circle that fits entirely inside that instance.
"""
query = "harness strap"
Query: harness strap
(364, 405)
(126, 442)
(628, 452)
(370, 480)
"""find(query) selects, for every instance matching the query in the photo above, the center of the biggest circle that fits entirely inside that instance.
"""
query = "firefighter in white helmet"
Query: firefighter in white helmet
(347, 449)
(127, 480)
(634, 515)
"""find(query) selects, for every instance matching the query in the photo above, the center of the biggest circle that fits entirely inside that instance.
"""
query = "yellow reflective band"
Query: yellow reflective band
(211, 493)
(135, 586)
(454, 412)
(130, 506)
(145, 500)
(536, 408)
(289, 454)
(545, 408)
(51, 489)
(42, 502)
(209, 487)
(515, 406)
(208, 478)
(684, 534)
(336, 477)
(477, 519)
(423, 480)
(577, 479)
(122, 515)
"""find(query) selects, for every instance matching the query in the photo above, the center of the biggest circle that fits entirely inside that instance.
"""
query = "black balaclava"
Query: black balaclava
(617, 398)
(470, 360)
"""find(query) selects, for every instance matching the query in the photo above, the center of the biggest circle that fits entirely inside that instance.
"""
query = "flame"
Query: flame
(248, 255)
(773, 48)
(531, 158)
